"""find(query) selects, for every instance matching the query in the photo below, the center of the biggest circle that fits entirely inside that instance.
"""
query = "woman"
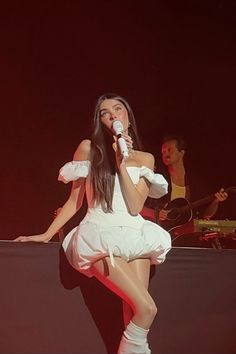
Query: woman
(113, 242)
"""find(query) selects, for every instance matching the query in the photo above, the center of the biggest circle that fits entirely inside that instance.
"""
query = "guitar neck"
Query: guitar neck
(208, 199)
(202, 201)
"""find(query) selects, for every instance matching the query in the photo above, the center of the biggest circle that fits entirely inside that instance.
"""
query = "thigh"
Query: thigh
(141, 267)
(123, 280)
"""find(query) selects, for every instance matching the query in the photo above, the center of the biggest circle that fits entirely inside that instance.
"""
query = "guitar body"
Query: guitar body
(180, 210)
(179, 213)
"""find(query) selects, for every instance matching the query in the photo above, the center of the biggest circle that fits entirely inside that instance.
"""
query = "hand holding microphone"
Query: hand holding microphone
(118, 128)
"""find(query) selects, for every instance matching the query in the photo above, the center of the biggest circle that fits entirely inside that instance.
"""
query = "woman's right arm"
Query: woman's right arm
(71, 206)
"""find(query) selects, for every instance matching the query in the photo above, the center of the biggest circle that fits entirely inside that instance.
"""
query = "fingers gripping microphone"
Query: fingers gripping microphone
(118, 127)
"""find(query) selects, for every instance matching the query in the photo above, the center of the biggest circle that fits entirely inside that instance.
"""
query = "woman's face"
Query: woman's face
(111, 110)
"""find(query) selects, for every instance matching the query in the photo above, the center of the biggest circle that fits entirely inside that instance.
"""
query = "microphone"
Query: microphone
(118, 127)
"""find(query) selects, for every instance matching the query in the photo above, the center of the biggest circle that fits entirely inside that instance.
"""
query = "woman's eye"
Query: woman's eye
(117, 109)
(105, 114)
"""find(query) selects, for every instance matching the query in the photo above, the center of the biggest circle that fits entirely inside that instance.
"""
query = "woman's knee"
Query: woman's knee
(148, 309)
(152, 310)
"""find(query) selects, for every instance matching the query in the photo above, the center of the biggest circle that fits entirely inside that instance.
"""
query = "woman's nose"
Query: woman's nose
(113, 117)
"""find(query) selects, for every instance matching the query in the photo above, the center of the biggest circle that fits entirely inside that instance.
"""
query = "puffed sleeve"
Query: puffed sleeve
(73, 170)
(159, 185)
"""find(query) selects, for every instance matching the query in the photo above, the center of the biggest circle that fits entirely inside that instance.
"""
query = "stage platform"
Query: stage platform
(48, 308)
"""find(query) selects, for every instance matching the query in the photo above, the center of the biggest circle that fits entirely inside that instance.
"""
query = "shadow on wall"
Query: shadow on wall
(104, 306)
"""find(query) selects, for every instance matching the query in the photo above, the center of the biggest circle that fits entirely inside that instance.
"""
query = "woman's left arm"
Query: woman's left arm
(135, 195)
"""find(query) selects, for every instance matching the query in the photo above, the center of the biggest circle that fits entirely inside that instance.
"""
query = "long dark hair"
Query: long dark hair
(103, 164)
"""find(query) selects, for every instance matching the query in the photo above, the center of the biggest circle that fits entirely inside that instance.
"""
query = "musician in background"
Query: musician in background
(173, 151)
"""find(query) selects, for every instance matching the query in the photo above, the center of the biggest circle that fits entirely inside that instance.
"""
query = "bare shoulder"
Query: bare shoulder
(145, 159)
(83, 150)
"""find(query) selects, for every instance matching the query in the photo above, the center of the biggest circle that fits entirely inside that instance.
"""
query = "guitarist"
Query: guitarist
(173, 151)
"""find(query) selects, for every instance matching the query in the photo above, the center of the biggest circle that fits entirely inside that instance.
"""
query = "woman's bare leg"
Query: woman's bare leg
(141, 267)
(130, 281)
(123, 280)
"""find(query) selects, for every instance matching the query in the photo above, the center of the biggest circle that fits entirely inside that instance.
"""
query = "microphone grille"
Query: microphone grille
(117, 126)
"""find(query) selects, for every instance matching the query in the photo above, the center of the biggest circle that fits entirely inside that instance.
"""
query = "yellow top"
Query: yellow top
(177, 191)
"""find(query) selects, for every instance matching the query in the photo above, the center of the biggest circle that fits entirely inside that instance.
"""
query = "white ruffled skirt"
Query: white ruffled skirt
(89, 242)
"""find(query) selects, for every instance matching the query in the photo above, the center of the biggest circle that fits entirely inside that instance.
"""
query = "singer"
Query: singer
(114, 242)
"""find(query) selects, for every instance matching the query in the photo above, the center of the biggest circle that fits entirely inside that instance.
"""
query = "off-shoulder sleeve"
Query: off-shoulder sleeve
(73, 170)
(159, 185)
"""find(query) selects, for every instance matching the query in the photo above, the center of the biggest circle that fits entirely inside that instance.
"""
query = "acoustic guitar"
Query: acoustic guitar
(180, 211)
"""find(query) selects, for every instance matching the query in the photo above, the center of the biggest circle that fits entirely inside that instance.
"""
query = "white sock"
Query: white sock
(134, 340)
(135, 333)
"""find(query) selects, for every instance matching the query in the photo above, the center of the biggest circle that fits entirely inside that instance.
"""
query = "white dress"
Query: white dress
(116, 234)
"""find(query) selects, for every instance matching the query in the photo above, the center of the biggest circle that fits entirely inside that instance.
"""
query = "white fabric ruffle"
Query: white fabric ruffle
(73, 170)
(159, 185)
(88, 242)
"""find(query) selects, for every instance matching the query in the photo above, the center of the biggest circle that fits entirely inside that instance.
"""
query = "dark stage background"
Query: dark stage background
(173, 60)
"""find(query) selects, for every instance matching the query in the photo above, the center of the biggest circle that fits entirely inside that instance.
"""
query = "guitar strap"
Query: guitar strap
(187, 185)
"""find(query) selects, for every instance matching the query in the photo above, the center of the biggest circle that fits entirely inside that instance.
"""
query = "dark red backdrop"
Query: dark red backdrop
(173, 61)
